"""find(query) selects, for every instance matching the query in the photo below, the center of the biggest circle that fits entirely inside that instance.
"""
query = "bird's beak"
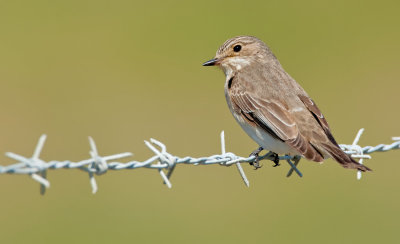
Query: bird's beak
(211, 62)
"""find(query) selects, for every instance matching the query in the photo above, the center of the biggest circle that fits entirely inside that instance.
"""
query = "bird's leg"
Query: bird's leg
(275, 159)
(256, 162)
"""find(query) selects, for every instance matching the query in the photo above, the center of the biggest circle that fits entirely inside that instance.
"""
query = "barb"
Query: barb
(162, 161)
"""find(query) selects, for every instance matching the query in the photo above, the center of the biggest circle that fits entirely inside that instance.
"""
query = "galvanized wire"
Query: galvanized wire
(162, 161)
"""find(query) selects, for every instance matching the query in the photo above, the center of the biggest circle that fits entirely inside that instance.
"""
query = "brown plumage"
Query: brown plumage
(272, 107)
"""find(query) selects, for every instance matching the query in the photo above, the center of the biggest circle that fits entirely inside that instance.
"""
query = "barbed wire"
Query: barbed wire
(162, 161)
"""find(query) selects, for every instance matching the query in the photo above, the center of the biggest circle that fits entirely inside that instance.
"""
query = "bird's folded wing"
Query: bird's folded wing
(275, 118)
(313, 108)
(269, 113)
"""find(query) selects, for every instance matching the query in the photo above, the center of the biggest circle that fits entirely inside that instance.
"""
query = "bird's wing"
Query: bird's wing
(254, 96)
(319, 117)
(328, 143)
(265, 113)
(274, 117)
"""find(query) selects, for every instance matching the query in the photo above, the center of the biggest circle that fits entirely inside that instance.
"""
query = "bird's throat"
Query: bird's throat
(232, 65)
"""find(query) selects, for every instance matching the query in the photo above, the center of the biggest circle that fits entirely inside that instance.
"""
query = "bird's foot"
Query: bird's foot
(256, 162)
(275, 159)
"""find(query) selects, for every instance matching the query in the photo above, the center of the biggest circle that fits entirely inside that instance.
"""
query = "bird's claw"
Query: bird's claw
(275, 160)
(256, 163)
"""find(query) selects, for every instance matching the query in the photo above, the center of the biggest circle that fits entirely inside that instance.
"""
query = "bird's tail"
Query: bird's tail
(344, 159)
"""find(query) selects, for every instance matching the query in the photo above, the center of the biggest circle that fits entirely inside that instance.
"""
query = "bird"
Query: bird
(272, 108)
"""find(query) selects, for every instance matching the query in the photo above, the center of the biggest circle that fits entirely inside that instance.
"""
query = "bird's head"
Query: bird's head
(238, 52)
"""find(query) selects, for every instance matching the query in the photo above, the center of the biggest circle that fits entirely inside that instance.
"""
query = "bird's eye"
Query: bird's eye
(237, 48)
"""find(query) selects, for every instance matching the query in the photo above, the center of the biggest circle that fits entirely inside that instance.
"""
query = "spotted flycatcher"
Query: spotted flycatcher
(271, 107)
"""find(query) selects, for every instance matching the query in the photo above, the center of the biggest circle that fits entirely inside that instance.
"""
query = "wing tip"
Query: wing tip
(344, 159)
(357, 165)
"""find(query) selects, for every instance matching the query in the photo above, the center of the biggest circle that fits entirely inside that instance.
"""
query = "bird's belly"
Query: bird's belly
(264, 139)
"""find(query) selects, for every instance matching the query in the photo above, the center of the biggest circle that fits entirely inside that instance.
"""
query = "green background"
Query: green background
(125, 71)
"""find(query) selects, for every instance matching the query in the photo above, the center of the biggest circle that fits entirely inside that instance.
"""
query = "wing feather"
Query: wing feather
(267, 112)
(313, 108)
(273, 117)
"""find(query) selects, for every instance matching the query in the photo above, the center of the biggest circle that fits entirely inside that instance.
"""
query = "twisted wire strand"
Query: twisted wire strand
(162, 161)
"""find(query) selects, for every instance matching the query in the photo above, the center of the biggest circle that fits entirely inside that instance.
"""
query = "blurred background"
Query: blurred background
(125, 71)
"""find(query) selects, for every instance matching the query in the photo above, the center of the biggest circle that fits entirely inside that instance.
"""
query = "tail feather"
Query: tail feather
(344, 159)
